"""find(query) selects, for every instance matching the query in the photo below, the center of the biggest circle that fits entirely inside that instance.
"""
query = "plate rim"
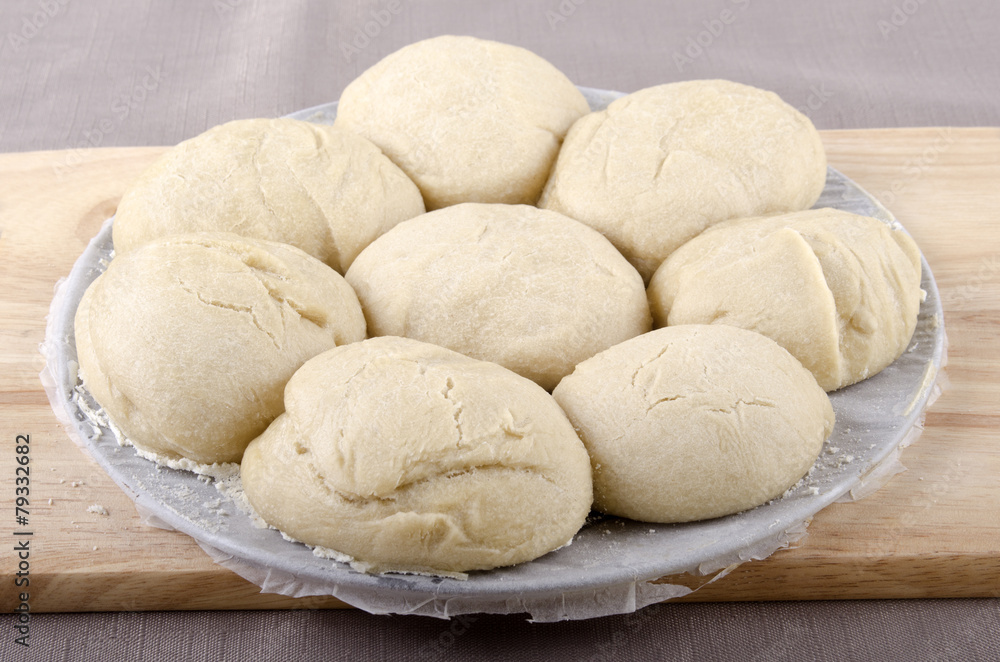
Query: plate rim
(443, 589)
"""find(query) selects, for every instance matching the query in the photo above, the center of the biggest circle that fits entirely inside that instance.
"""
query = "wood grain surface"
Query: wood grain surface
(932, 531)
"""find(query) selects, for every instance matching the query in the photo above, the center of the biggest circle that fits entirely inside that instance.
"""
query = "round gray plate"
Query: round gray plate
(607, 567)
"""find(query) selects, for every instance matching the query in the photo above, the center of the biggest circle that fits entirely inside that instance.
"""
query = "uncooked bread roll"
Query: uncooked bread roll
(659, 166)
(526, 288)
(324, 190)
(410, 457)
(693, 422)
(187, 341)
(841, 292)
(468, 120)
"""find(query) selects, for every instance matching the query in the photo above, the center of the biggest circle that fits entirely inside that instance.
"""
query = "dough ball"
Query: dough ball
(694, 422)
(324, 190)
(411, 457)
(659, 166)
(187, 341)
(468, 120)
(841, 292)
(526, 288)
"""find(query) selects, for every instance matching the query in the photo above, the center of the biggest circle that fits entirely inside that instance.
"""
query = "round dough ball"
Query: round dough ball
(526, 288)
(841, 292)
(187, 341)
(659, 166)
(411, 457)
(694, 422)
(324, 190)
(468, 120)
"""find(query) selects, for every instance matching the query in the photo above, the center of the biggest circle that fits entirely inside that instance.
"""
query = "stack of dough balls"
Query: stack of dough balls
(468, 120)
(693, 422)
(526, 288)
(187, 342)
(408, 456)
(324, 190)
(841, 292)
(657, 167)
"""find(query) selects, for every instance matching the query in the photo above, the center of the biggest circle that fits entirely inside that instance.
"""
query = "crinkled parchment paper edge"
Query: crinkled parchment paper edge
(621, 598)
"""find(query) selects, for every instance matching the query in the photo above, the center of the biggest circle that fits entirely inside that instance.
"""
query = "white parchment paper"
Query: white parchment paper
(612, 565)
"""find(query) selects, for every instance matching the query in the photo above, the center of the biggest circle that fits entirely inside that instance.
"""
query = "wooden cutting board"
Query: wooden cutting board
(933, 531)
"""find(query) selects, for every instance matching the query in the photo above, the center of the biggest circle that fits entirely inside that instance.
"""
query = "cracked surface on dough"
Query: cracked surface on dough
(529, 289)
(660, 165)
(408, 456)
(469, 120)
(187, 342)
(693, 422)
(841, 292)
(324, 190)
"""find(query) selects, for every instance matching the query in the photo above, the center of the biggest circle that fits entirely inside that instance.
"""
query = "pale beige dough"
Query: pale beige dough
(468, 120)
(187, 341)
(526, 288)
(324, 190)
(693, 422)
(410, 457)
(841, 292)
(662, 164)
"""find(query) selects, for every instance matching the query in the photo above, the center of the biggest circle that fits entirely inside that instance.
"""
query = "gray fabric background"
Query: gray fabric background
(86, 75)
(939, 630)
(77, 73)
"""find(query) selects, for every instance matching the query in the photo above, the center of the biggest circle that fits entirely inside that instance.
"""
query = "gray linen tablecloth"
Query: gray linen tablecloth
(77, 73)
